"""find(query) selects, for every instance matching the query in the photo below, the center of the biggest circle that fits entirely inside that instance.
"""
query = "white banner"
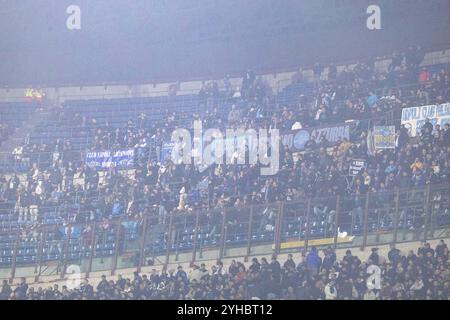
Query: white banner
(414, 118)
(356, 166)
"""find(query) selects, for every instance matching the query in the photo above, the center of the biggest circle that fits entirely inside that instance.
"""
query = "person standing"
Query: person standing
(5, 291)
(21, 291)
(313, 261)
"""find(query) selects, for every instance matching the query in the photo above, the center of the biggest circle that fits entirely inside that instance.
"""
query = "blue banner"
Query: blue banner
(296, 140)
(166, 151)
(102, 160)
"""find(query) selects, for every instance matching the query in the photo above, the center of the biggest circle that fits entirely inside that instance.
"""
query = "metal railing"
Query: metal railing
(393, 216)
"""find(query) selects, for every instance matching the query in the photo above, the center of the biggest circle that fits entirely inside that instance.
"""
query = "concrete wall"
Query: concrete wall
(276, 80)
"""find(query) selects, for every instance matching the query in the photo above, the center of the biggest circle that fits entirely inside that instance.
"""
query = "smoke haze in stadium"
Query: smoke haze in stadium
(123, 41)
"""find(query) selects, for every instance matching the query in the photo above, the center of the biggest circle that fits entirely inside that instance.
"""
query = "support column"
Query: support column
(308, 214)
(169, 241)
(13, 259)
(249, 237)
(91, 254)
(142, 245)
(117, 247)
(223, 235)
(65, 253)
(336, 220)
(194, 251)
(366, 217)
(278, 228)
(397, 215)
(37, 269)
(426, 211)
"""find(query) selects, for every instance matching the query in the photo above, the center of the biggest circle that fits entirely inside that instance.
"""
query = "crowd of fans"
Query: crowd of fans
(60, 189)
(159, 186)
(424, 274)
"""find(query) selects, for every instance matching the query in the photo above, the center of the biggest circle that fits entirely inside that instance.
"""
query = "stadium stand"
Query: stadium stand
(57, 209)
(12, 116)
